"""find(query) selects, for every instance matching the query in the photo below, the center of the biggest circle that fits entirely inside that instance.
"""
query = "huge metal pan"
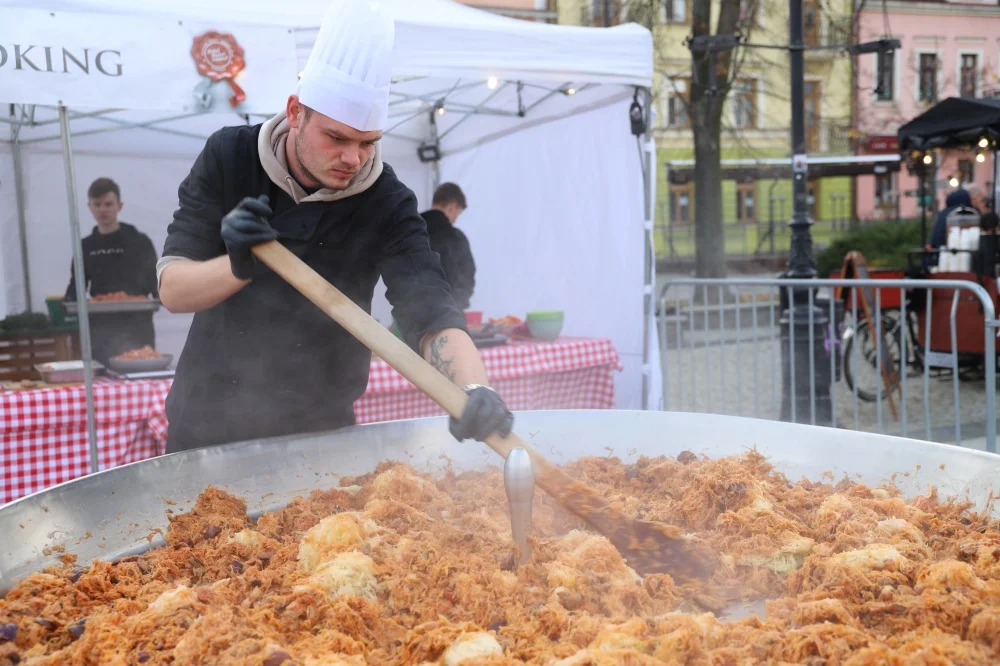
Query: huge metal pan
(114, 513)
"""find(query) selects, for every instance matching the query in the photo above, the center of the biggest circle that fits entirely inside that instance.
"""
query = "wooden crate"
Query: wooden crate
(970, 323)
(20, 352)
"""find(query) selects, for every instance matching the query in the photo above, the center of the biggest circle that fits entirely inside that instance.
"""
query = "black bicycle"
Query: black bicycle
(861, 356)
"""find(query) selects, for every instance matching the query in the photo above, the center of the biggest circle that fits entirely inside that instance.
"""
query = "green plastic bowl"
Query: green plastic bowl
(545, 325)
(545, 314)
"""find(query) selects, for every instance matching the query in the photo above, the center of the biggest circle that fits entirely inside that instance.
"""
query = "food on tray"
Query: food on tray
(116, 296)
(509, 320)
(397, 567)
(23, 385)
(146, 352)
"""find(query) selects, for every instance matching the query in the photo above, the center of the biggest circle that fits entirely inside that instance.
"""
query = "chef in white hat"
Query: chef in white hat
(261, 360)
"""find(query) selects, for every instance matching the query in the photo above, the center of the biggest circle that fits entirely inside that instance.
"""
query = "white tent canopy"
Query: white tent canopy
(530, 119)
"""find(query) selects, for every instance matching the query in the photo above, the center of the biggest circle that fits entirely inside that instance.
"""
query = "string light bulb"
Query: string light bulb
(492, 83)
(980, 158)
(928, 158)
(569, 91)
(984, 142)
(953, 182)
(439, 108)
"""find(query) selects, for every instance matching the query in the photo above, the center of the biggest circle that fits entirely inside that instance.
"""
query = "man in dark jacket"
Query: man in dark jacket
(958, 198)
(450, 243)
(261, 360)
(117, 257)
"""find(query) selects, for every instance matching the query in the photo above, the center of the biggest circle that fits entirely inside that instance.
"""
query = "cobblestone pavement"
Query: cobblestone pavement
(743, 378)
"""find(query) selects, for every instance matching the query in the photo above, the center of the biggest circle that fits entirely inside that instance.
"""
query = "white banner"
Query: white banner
(100, 61)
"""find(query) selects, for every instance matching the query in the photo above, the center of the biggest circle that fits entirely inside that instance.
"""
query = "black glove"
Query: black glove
(242, 228)
(484, 414)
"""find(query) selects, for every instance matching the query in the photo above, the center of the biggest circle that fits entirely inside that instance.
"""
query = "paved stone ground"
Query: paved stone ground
(743, 378)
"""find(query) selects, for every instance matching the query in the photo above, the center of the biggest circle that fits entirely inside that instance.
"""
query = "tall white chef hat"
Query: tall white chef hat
(349, 70)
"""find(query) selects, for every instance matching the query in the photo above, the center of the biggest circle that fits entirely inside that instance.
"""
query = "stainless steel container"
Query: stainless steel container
(65, 372)
(121, 507)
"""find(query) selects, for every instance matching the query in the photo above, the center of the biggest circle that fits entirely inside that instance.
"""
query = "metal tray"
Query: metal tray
(110, 514)
(65, 372)
(110, 307)
(140, 364)
(134, 376)
(489, 340)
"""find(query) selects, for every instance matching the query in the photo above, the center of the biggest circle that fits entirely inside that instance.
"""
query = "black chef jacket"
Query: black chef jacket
(267, 362)
(124, 260)
(456, 255)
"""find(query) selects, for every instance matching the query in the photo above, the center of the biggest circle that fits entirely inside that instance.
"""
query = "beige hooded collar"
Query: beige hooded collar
(271, 146)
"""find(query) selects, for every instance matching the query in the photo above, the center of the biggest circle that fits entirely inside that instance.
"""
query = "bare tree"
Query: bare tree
(707, 105)
(711, 77)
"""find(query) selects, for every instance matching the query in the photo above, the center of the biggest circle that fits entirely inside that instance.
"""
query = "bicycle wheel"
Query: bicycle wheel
(861, 364)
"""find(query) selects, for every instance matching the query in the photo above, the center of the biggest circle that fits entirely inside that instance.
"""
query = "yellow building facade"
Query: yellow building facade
(756, 124)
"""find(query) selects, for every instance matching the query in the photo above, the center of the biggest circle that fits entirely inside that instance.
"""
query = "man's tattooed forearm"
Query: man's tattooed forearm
(442, 364)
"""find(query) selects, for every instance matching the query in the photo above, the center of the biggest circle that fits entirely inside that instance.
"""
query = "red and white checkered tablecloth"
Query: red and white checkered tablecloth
(570, 373)
(43, 433)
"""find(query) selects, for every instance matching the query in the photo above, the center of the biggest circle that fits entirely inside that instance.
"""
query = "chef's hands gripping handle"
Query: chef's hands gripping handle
(242, 228)
(484, 414)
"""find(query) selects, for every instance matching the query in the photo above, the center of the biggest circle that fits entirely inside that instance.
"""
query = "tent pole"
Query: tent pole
(435, 139)
(81, 285)
(649, 277)
(996, 180)
(15, 147)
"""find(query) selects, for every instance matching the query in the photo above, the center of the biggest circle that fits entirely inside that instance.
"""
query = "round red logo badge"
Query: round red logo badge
(218, 56)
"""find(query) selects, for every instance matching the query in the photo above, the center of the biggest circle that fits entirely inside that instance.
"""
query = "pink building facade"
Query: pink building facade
(949, 49)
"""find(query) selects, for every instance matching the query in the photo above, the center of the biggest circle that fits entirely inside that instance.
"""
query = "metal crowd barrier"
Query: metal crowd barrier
(721, 344)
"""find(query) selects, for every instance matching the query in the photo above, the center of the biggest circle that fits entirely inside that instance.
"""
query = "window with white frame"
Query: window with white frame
(885, 190)
(744, 100)
(680, 203)
(968, 75)
(885, 76)
(811, 22)
(598, 9)
(673, 11)
(966, 172)
(746, 196)
(678, 94)
(927, 76)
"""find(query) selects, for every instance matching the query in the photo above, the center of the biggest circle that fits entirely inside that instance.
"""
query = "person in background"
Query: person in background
(450, 243)
(978, 198)
(986, 256)
(117, 257)
(957, 199)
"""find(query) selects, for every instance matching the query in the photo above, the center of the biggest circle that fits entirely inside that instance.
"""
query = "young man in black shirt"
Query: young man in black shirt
(116, 257)
(450, 243)
(261, 360)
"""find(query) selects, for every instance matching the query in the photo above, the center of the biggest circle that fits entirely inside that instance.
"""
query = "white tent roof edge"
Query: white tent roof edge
(543, 120)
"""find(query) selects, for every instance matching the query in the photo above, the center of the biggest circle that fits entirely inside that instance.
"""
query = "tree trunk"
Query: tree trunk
(710, 242)
(710, 85)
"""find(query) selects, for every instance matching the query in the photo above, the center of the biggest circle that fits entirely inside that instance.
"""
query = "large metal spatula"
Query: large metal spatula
(648, 547)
